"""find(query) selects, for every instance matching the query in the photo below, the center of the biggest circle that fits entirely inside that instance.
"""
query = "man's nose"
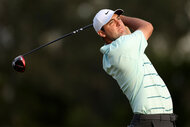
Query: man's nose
(117, 23)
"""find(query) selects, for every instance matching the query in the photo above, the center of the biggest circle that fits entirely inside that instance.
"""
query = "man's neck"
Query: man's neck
(108, 41)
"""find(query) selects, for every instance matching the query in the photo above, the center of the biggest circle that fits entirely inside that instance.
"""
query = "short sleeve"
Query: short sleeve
(132, 45)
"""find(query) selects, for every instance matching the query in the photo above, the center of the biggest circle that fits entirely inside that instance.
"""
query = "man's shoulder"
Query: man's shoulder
(135, 34)
(123, 43)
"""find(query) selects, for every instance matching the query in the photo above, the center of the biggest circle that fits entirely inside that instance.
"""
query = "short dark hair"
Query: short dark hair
(102, 29)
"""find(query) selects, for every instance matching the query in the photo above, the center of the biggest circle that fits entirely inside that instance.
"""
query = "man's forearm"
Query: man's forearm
(138, 24)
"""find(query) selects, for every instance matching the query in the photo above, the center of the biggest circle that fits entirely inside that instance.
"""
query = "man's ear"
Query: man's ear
(101, 33)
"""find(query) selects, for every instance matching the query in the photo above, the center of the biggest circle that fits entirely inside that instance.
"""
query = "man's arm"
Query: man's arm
(138, 24)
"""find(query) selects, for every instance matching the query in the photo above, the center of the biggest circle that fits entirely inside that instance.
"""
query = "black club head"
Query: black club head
(19, 64)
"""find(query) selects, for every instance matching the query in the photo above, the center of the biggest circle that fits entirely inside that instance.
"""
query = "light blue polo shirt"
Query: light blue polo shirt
(124, 59)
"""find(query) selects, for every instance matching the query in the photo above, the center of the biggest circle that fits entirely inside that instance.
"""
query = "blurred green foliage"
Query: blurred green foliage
(64, 84)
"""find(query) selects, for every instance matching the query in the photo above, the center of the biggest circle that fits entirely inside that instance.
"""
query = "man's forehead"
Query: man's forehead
(114, 16)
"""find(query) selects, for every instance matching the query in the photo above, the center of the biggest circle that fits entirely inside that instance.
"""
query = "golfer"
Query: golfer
(125, 60)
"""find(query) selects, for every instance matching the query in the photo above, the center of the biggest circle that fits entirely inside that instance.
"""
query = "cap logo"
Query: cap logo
(106, 13)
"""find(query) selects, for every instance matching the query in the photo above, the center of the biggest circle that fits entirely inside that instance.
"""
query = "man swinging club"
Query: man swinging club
(124, 59)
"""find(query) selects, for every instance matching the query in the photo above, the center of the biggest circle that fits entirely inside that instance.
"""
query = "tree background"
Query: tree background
(64, 84)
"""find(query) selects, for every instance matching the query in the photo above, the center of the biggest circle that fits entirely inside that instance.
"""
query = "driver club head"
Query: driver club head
(19, 64)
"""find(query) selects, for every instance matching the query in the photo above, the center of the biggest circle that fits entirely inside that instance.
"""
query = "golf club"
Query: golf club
(19, 62)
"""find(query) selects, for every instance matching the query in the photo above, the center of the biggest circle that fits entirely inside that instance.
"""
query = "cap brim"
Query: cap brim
(118, 11)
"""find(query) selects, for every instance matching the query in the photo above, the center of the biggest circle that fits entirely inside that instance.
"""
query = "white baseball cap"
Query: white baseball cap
(103, 17)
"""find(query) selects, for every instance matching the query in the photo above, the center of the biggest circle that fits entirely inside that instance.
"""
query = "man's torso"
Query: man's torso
(125, 60)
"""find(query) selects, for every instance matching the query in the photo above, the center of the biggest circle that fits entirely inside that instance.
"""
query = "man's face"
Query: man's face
(113, 29)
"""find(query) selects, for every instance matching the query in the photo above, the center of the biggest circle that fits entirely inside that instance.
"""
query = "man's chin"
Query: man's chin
(124, 33)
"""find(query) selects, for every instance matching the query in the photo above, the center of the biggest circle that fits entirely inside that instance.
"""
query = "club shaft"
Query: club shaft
(66, 35)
